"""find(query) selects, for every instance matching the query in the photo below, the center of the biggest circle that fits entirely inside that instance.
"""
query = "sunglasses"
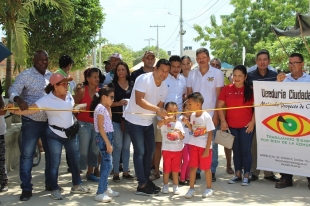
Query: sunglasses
(64, 84)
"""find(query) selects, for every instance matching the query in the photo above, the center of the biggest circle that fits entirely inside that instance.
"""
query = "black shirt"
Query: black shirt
(119, 94)
(255, 76)
(134, 75)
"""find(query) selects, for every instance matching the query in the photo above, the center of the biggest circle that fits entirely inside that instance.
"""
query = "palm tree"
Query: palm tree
(14, 18)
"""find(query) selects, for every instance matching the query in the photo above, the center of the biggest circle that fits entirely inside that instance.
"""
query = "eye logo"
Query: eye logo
(288, 124)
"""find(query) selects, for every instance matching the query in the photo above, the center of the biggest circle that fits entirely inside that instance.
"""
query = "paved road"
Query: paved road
(260, 192)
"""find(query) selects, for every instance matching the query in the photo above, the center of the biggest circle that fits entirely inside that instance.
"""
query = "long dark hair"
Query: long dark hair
(248, 90)
(97, 98)
(88, 72)
(115, 79)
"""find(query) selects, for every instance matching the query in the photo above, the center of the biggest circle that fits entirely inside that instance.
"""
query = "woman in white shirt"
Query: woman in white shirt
(58, 98)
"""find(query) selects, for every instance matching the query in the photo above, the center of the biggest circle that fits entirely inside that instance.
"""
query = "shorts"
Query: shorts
(196, 159)
(172, 161)
(157, 132)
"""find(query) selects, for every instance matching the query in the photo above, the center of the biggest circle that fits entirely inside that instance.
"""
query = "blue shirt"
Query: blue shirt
(304, 78)
(30, 85)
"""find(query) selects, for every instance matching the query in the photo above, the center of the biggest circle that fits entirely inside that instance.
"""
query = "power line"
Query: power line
(203, 12)
(171, 35)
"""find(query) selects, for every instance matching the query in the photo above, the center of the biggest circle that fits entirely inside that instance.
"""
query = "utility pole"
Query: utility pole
(100, 62)
(149, 40)
(94, 54)
(157, 39)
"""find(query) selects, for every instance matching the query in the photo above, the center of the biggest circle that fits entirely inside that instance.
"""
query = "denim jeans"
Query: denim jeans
(106, 162)
(31, 131)
(88, 150)
(55, 144)
(143, 141)
(215, 154)
(242, 149)
(121, 147)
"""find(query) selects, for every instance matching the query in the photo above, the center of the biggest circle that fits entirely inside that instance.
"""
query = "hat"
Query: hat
(65, 60)
(107, 62)
(57, 78)
(116, 55)
(148, 53)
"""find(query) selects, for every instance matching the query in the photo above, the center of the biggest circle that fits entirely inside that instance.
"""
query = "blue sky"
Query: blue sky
(129, 21)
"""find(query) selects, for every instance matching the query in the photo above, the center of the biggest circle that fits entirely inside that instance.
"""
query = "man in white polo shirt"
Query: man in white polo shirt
(147, 99)
(208, 81)
(176, 84)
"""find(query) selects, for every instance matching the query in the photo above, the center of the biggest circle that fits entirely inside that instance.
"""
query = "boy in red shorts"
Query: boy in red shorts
(172, 132)
(200, 152)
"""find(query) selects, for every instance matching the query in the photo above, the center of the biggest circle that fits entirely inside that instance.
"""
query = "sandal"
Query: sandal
(230, 171)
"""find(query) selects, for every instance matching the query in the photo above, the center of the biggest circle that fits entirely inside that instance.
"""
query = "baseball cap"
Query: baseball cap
(65, 60)
(148, 53)
(116, 55)
(107, 62)
(57, 78)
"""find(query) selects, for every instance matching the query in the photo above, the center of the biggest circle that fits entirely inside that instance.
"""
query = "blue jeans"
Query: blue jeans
(242, 149)
(106, 162)
(88, 150)
(55, 144)
(215, 154)
(121, 146)
(31, 132)
(143, 141)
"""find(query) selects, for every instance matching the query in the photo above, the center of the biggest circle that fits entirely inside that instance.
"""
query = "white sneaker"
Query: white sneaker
(56, 195)
(208, 192)
(176, 190)
(103, 198)
(165, 189)
(190, 193)
(81, 189)
(111, 193)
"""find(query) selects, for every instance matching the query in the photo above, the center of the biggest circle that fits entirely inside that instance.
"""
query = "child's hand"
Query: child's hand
(185, 120)
(205, 153)
(109, 147)
(181, 136)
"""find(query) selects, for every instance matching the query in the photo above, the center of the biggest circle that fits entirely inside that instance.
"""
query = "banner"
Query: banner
(283, 130)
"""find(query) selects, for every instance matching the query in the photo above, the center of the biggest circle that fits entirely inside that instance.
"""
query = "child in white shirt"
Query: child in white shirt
(172, 132)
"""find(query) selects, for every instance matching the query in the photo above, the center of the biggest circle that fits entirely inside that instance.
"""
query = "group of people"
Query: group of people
(166, 110)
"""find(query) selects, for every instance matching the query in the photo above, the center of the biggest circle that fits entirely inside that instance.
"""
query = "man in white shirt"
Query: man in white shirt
(114, 59)
(208, 81)
(176, 84)
(296, 64)
(147, 99)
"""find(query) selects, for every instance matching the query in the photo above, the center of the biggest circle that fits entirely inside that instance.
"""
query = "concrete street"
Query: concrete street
(261, 192)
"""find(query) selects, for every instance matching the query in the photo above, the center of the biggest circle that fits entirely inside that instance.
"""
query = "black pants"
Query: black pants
(289, 177)
(3, 171)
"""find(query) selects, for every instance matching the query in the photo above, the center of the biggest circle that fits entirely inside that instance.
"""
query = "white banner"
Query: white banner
(283, 130)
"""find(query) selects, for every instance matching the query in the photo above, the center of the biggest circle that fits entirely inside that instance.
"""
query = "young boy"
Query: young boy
(200, 151)
(172, 131)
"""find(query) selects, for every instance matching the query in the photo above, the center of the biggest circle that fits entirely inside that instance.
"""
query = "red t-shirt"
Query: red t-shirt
(233, 97)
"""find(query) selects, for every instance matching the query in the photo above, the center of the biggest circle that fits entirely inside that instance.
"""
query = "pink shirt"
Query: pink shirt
(107, 125)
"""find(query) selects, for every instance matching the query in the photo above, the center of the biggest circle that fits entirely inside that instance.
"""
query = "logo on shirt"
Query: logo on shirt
(210, 79)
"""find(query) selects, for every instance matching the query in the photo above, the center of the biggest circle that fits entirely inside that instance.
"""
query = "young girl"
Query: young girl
(172, 131)
(101, 105)
(184, 176)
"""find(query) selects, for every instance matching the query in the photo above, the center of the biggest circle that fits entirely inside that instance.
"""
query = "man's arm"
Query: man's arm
(148, 106)
(189, 91)
(215, 117)
(16, 89)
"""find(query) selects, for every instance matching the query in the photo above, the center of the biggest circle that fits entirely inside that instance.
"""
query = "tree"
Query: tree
(279, 58)
(139, 54)
(127, 53)
(246, 26)
(46, 32)
(14, 17)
